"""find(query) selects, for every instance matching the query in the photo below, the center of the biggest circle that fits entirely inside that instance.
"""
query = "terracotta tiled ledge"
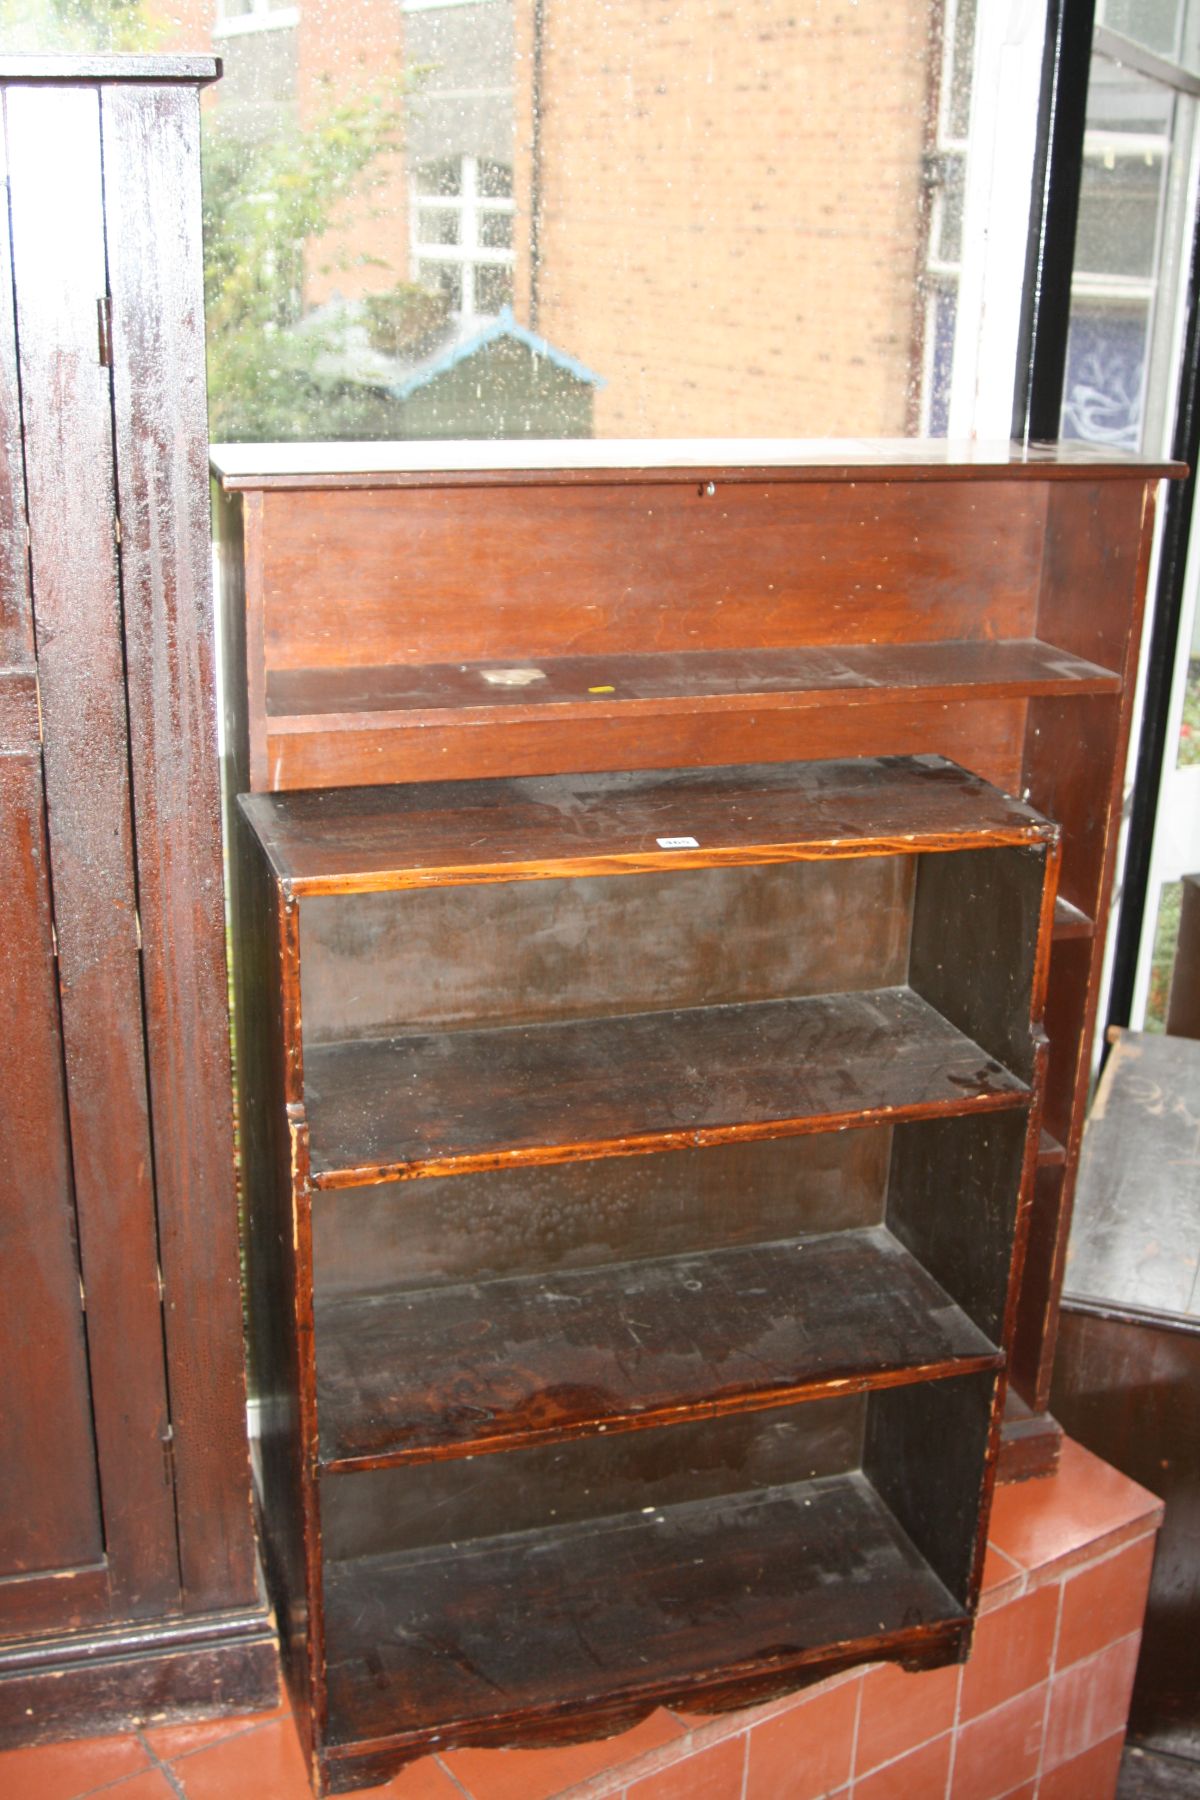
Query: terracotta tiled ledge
(1039, 1710)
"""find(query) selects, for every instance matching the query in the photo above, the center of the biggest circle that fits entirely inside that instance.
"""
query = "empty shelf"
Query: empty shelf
(432, 833)
(625, 1605)
(455, 1370)
(439, 1103)
(628, 685)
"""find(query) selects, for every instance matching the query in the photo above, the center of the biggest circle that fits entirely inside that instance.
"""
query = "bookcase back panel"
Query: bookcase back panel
(551, 1217)
(525, 951)
(444, 574)
(384, 1511)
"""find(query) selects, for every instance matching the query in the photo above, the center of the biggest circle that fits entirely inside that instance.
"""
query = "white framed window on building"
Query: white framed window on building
(462, 232)
(237, 16)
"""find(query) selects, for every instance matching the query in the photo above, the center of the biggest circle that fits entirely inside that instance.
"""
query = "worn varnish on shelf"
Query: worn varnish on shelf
(642, 1165)
(401, 622)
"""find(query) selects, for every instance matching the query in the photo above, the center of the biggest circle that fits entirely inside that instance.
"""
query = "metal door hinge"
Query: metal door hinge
(137, 926)
(82, 1296)
(104, 330)
(168, 1450)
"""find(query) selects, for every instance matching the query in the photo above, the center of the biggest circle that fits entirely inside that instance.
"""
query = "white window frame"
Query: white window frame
(264, 15)
(468, 255)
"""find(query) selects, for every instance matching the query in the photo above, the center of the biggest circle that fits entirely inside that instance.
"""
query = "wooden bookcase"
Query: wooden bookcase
(640, 1167)
(399, 621)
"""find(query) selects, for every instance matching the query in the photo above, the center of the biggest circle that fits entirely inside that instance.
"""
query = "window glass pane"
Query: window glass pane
(949, 213)
(1119, 204)
(1106, 368)
(444, 279)
(733, 220)
(439, 178)
(435, 227)
(496, 230)
(493, 288)
(495, 180)
(1136, 153)
(1159, 24)
(1166, 942)
(1189, 731)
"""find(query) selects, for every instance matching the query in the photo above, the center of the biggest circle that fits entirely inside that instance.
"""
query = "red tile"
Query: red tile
(1105, 1603)
(920, 1776)
(1092, 1776)
(900, 1711)
(266, 1763)
(536, 1774)
(424, 1780)
(63, 1771)
(168, 1741)
(1002, 1580)
(1059, 1520)
(1012, 1651)
(1000, 1751)
(1090, 1701)
(151, 1784)
(714, 1774)
(804, 1752)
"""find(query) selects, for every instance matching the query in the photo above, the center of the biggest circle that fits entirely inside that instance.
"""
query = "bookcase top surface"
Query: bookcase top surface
(117, 66)
(251, 466)
(327, 841)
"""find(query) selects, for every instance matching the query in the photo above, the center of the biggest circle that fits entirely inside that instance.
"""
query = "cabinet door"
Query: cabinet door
(60, 283)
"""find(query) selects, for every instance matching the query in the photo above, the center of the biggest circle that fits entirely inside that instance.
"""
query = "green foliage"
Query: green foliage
(50, 26)
(1189, 735)
(268, 205)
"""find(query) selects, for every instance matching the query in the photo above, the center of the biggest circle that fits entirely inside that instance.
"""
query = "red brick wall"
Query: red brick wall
(731, 220)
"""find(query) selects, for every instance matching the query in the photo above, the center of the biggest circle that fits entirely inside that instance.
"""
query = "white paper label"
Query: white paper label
(678, 843)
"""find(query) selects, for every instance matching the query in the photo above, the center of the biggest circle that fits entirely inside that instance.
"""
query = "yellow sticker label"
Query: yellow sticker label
(602, 690)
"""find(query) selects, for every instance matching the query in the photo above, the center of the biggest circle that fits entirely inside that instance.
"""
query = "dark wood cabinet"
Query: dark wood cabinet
(640, 1164)
(399, 621)
(127, 1566)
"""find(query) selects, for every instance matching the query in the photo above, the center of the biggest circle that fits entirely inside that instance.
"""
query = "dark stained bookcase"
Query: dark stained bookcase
(641, 1165)
(659, 1171)
(400, 621)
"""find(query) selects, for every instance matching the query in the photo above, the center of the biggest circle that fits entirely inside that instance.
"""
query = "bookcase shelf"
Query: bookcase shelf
(430, 1104)
(324, 707)
(641, 1163)
(612, 1604)
(458, 1370)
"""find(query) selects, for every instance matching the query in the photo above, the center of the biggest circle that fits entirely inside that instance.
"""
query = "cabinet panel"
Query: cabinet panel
(61, 282)
(151, 139)
(49, 1500)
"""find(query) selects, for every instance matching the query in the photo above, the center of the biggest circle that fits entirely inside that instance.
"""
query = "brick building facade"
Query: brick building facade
(717, 205)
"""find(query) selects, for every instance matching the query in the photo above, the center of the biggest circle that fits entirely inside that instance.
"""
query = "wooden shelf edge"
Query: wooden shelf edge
(578, 688)
(918, 1647)
(658, 1341)
(779, 1554)
(613, 1424)
(652, 1143)
(386, 837)
(1051, 1154)
(1070, 921)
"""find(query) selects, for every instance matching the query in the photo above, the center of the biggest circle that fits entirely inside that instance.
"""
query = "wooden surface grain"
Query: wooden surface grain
(464, 1369)
(152, 186)
(380, 838)
(429, 1103)
(498, 1626)
(70, 470)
